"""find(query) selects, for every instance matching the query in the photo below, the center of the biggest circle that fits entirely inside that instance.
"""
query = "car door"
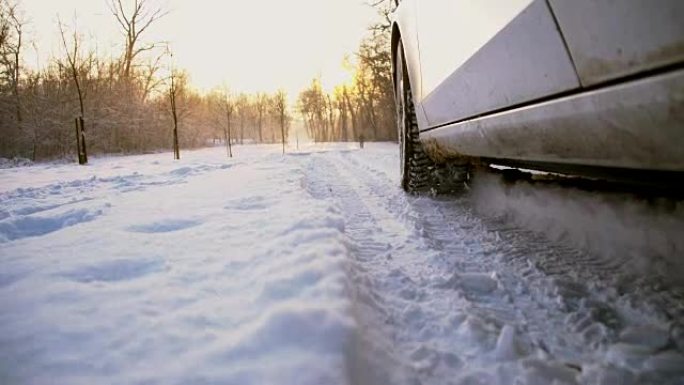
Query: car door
(609, 39)
(479, 56)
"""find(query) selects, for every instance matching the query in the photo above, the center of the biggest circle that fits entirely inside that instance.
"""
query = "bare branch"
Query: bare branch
(133, 25)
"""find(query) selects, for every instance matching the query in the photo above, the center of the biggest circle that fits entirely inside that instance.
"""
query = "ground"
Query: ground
(315, 268)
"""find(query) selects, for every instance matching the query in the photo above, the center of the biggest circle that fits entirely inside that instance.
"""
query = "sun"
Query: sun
(339, 75)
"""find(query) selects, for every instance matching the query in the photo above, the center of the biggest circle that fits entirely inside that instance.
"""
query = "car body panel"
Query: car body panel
(450, 32)
(628, 115)
(638, 124)
(608, 39)
(525, 60)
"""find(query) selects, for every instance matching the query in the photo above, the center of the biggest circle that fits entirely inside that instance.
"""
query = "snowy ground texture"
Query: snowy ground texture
(314, 268)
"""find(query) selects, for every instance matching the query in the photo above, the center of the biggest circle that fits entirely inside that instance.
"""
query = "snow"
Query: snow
(477, 283)
(150, 277)
(314, 268)
(14, 162)
(506, 345)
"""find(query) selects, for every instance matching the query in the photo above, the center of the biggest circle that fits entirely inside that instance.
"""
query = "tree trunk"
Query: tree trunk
(172, 97)
(78, 142)
(176, 149)
(228, 138)
(83, 140)
(17, 97)
(34, 149)
(282, 130)
(261, 113)
(352, 112)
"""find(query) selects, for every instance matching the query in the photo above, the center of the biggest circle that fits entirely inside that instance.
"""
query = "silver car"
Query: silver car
(593, 87)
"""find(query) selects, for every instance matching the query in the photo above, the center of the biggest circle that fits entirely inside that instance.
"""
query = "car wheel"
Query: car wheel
(418, 172)
(414, 163)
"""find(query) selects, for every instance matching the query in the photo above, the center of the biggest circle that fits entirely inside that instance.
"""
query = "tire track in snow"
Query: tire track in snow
(373, 359)
(426, 331)
(611, 280)
(441, 265)
(465, 245)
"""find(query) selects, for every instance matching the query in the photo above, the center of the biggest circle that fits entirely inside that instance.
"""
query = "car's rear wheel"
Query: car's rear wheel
(418, 172)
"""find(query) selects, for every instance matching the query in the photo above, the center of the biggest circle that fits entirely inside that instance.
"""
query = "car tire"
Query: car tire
(419, 174)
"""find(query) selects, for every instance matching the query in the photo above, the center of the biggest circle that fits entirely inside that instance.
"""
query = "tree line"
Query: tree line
(362, 110)
(133, 102)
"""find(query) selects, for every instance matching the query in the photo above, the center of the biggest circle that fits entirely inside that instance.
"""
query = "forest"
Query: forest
(130, 102)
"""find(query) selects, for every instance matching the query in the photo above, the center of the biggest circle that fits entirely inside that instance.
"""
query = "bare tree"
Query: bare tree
(280, 109)
(261, 103)
(173, 90)
(129, 105)
(74, 60)
(384, 8)
(228, 105)
(342, 106)
(330, 114)
(121, 115)
(374, 85)
(11, 42)
(133, 24)
(365, 107)
(243, 107)
(150, 79)
(350, 106)
(313, 105)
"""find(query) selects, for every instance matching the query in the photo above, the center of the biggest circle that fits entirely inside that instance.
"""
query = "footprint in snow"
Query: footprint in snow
(183, 171)
(14, 228)
(166, 226)
(8, 278)
(248, 204)
(114, 271)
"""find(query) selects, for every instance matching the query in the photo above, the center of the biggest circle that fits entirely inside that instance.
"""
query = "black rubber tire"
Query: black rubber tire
(414, 163)
(419, 174)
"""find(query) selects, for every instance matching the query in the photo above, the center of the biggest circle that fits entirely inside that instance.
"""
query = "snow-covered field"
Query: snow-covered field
(314, 268)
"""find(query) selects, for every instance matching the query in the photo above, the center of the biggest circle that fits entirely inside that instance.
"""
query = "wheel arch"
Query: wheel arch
(404, 30)
(396, 38)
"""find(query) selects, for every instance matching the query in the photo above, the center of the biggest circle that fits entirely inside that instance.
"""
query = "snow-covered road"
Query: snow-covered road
(314, 268)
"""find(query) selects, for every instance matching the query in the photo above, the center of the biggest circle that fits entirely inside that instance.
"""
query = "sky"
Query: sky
(248, 45)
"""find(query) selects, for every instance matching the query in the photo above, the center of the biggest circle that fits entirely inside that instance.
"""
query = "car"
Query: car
(584, 87)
